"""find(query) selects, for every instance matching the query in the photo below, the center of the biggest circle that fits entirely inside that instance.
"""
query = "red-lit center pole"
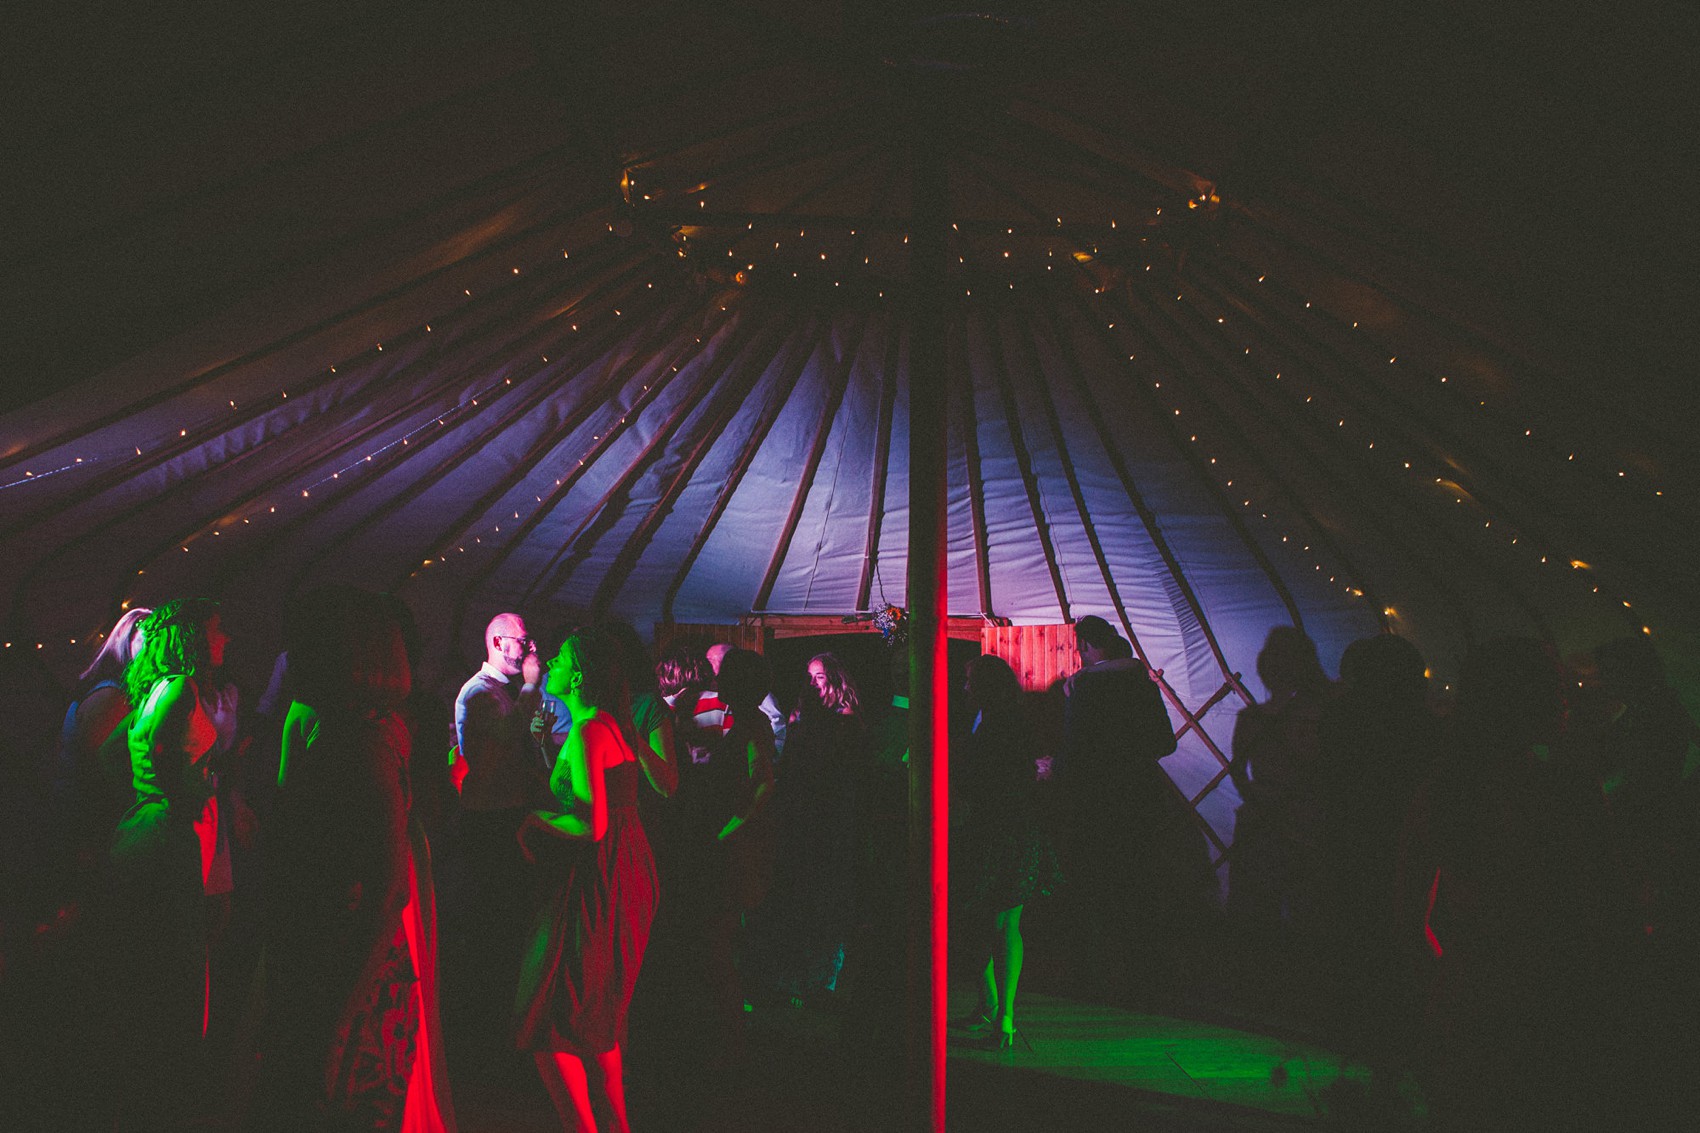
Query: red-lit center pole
(929, 747)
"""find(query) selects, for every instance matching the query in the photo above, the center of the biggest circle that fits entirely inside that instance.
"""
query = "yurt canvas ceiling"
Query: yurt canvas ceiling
(1351, 315)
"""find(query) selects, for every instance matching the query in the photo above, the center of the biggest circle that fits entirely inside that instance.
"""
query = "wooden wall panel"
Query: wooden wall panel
(819, 625)
(1041, 655)
(702, 635)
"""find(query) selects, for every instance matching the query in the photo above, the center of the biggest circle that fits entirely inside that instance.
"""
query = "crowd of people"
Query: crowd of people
(1499, 901)
(276, 877)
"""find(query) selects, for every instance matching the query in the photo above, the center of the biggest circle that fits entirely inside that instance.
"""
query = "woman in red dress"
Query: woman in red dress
(582, 960)
(349, 962)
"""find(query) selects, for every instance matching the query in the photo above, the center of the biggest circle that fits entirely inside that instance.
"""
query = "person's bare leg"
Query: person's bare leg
(569, 1088)
(989, 987)
(614, 1084)
(1007, 960)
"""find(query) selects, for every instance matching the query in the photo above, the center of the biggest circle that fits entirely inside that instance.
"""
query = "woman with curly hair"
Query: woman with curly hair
(829, 688)
(162, 857)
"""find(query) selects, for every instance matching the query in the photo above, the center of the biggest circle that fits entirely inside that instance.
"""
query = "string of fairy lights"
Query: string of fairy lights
(599, 442)
(32, 477)
(577, 325)
(1610, 472)
(1456, 484)
(1173, 400)
(1214, 463)
(814, 265)
(1453, 486)
(484, 399)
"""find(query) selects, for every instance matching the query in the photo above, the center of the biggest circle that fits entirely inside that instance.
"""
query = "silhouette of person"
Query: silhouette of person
(1377, 744)
(1507, 878)
(1275, 879)
(1127, 838)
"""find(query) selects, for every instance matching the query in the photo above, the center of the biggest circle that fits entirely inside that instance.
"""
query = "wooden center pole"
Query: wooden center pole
(929, 753)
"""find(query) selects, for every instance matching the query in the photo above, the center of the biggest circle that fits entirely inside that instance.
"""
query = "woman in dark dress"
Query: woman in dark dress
(732, 839)
(344, 998)
(1002, 858)
(807, 918)
(582, 960)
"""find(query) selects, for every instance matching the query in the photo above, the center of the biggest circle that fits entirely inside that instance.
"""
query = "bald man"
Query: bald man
(505, 778)
(493, 721)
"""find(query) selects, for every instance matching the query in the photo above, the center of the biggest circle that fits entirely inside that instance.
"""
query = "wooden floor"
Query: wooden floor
(1091, 1067)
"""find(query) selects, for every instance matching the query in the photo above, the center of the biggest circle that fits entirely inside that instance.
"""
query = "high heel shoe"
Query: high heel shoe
(975, 1022)
(998, 1041)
